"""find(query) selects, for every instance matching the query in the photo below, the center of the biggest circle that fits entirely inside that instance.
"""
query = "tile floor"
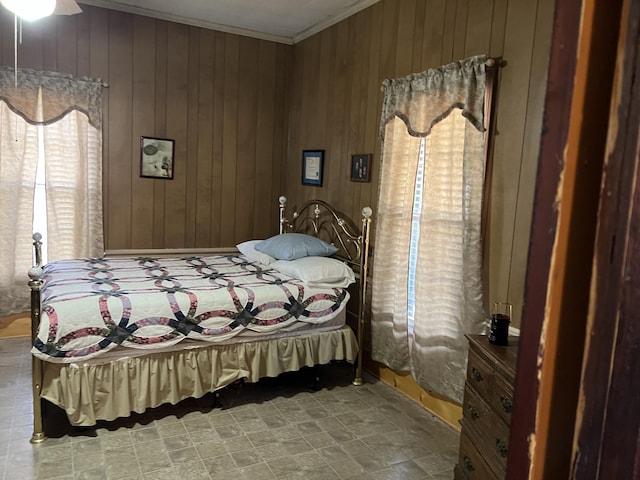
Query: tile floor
(275, 429)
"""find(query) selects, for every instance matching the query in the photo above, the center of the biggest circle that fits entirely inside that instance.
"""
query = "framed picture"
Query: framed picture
(312, 165)
(156, 157)
(361, 167)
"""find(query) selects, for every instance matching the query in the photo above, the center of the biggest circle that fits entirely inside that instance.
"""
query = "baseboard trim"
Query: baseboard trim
(18, 325)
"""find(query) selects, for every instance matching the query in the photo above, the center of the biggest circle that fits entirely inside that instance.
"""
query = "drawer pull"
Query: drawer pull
(473, 413)
(506, 404)
(477, 376)
(468, 464)
(501, 446)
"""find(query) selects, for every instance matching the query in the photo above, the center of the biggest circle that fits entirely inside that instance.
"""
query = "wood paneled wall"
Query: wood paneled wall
(221, 97)
(336, 105)
(242, 110)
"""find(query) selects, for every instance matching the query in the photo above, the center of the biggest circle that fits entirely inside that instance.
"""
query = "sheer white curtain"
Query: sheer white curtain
(439, 113)
(18, 160)
(73, 171)
(64, 113)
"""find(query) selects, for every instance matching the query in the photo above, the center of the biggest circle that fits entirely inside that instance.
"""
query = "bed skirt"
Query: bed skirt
(91, 392)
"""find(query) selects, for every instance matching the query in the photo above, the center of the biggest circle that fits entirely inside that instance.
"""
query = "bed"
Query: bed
(120, 334)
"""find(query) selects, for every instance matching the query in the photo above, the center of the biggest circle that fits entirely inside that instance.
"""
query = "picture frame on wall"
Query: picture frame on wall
(361, 167)
(312, 167)
(156, 157)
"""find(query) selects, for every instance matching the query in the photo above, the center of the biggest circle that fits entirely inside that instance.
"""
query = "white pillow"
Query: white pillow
(317, 271)
(248, 249)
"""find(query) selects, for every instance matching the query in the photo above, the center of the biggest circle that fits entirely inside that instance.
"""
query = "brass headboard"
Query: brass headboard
(321, 220)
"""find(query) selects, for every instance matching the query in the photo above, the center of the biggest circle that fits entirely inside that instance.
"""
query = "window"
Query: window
(427, 282)
(40, 196)
(50, 174)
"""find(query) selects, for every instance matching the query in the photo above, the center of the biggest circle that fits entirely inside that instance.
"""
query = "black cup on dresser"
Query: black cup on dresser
(500, 320)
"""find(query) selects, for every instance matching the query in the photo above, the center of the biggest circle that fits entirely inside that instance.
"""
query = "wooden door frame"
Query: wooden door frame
(557, 287)
(606, 444)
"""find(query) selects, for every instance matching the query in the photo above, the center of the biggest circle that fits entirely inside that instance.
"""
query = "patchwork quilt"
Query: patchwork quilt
(91, 306)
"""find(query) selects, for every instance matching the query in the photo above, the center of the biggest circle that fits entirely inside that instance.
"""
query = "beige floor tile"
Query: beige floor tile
(276, 429)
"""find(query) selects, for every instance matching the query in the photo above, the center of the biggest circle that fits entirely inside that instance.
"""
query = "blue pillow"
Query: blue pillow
(290, 246)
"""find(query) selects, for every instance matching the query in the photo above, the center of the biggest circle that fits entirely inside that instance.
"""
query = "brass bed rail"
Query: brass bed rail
(321, 220)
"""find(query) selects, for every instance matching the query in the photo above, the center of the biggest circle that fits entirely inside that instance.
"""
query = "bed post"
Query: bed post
(35, 283)
(283, 221)
(364, 267)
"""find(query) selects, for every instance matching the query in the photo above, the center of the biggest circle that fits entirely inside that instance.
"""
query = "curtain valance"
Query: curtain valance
(61, 93)
(423, 99)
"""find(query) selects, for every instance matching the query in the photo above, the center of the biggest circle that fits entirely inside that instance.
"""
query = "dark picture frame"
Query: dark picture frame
(312, 167)
(156, 157)
(361, 167)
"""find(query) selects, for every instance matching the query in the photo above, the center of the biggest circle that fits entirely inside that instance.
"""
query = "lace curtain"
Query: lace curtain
(437, 114)
(61, 117)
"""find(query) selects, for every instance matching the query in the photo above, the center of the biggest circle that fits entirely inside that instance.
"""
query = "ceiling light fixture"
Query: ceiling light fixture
(30, 9)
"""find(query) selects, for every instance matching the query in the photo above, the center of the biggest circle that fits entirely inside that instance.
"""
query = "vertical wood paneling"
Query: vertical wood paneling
(218, 136)
(498, 25)
(462, 21)
(411, 36)
(361, 83)
(204, 139)
(224, 99)
(449, 31)
(372, 144)
(284, 83)
(512, 110)
(118, 180)
(529, 164)
(247, 124)
(478, 38)
(405, 39)
(177, 101)
(6, 39)
(160, 129)
(50, 47)
(389, 34)
(419, 31)
(99, 68)
(263, 193)
(193, 166)
(340, 101)
(230, 138)
(83, 47)
(322, 93)
(67, 45)
(433, 41)
(142, 123)
(31, 52)
(351, 116)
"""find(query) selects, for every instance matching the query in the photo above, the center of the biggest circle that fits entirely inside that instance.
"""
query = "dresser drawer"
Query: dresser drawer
(477, 415)
(479, 375)
(488, 394)
(471, 465)
(502, 398)
(486, 430)
(497, 446)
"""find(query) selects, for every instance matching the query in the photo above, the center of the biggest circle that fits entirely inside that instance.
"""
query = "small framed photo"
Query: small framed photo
(361, 167)
(156, 157)
(312, 165)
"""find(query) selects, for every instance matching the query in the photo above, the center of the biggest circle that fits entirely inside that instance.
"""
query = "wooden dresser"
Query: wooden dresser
(488, 398)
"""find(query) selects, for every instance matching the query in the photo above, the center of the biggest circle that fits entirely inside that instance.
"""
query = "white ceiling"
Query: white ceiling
(284, 21)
